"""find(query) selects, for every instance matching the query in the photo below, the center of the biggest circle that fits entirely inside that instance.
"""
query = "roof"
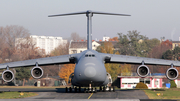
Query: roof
(140, 77)
(54, 77)
(83, 44)
(113, 42)
(175, 41)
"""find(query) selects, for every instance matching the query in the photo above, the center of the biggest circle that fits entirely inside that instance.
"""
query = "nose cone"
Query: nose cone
(90, 71)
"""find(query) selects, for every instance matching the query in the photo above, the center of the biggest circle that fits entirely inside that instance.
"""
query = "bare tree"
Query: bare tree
(8, 36)
(76, 37)
(16, 44)
(60, 50)
(53, 70)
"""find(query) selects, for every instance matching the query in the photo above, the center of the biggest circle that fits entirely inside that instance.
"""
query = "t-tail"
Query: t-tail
(89, 15)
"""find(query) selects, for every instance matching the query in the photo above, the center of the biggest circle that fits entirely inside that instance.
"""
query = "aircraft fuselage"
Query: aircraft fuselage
(90, 69)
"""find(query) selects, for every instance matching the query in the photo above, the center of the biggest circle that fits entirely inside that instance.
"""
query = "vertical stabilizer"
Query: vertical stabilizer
(89, 15)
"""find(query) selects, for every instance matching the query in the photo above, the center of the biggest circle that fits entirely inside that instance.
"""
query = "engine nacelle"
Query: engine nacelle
(7, 75)
(37, 72)
(172, 73)
(143, 71)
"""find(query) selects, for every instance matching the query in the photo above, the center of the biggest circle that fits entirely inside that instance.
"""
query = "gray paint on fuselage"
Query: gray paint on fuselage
(90, 70)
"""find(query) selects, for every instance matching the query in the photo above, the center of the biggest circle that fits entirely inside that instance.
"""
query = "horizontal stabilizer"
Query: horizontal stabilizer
(110, 13)
(67, 14)
(87, 12)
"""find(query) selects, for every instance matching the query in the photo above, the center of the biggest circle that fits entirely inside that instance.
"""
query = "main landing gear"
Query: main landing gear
(104, 89)
(70, 89)
(89, 90)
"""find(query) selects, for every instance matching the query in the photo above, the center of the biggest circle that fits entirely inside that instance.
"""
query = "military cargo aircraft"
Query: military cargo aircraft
(89, 64)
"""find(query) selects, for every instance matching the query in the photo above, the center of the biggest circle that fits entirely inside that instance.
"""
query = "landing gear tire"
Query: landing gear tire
(88, 90)
(113, 89)
(84, 90)
(91, 90)
(95, 90)
(109, 89)
(70, 89)
(104, 89)
(79, 89)
(100, 88)
(66, 89)
(75, 89)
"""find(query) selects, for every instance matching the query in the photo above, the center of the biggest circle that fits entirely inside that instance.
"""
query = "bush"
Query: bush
(173, 84)
(141, 85)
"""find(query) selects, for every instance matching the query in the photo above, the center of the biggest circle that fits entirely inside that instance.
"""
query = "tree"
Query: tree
(113, 69)
(114, 39)
(172, 54)
(22, 74)
(141, 85)
(16, 45)
(125, 69)
(176, 53)
(167, 55)
(107, 47)
(173, 84)
(135, 44)
(60, 50)
(8, 35)
(66, 71)
(75, 37)
(158, 50)
(55, 69)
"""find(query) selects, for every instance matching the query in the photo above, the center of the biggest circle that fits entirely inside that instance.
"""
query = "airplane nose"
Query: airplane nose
(90, 71)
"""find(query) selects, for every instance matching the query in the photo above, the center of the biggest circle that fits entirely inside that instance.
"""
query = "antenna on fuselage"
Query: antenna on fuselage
(89, 15)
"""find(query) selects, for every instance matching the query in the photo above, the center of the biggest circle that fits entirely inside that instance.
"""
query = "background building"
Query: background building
(154, 81)
(130, 82)
(106, 38)
(175, 44)
(48, 43)
(80, 46)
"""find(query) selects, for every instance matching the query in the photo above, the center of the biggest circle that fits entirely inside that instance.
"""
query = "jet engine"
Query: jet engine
(37, 72)
(143, 71)
(172, 73)
(7, 75)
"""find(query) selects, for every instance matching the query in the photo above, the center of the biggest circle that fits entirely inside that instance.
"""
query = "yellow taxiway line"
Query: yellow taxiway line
(90, 96)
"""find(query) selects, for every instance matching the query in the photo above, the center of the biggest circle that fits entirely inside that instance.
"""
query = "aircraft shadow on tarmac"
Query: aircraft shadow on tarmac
(58, 90)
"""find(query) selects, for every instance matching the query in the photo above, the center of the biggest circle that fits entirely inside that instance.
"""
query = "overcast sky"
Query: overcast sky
(153, 18)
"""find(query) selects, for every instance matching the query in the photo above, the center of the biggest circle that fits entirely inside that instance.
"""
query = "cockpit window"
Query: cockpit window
(89, 55)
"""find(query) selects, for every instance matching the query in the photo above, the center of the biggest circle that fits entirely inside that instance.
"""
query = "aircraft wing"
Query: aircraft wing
(113, 58)
(63, 59)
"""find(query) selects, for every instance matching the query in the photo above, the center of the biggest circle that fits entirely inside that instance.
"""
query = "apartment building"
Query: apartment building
(48, 43)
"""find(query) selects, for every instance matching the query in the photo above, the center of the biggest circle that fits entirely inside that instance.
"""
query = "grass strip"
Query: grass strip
(163, 93)
(16, 95)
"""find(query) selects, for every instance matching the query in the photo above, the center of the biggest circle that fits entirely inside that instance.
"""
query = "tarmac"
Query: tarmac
(56, 94)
